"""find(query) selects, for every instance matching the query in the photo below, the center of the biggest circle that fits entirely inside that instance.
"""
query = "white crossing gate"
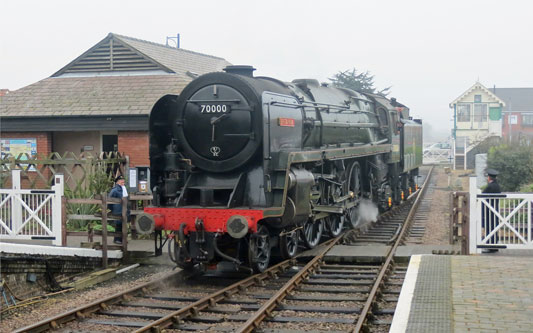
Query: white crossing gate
(31, 214)
(499, 220)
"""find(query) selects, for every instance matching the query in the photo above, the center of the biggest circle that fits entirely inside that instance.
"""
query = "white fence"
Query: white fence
(437, 156)
(499, 220)
(31, 214)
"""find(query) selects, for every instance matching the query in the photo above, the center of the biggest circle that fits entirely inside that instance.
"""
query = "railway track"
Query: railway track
(316, 295)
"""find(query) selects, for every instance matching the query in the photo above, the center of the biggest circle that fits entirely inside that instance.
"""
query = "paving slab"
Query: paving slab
(404, 252)
(363, 254)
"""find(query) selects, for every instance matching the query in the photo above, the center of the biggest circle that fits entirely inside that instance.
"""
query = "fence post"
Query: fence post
(57, 216)
(16, 206)
(124, 227)
(474, 231)
(63, 221)
(104, 229)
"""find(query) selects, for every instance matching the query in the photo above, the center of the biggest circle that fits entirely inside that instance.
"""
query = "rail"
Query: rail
(271, 304)
(359, 326)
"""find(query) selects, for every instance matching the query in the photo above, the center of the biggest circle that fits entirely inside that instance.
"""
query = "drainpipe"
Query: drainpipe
(455, 121)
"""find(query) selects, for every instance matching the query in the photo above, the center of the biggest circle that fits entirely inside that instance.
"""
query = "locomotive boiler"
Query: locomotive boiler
(245, 168)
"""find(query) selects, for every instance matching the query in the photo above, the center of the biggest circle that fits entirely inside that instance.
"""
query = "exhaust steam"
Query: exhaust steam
(367, 212)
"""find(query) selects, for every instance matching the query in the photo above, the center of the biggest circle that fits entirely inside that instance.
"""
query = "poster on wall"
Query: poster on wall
(16, 147)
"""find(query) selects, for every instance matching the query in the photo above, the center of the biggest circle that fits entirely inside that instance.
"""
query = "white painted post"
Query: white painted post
(58, 189)
(454, 155)
(464, 156)
(529, 222)
(16, 206)
(474, 225)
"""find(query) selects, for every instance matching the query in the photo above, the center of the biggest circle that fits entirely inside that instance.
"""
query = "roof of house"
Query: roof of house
(516, 99)
(118, 76)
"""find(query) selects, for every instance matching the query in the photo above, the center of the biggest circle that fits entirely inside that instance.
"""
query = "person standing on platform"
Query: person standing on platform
(489, 219)
(119, 192)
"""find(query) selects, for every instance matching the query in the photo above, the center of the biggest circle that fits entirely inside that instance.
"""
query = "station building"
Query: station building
(100, 101)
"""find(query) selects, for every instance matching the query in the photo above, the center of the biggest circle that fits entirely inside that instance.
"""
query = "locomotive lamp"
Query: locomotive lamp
(237, 226)
(144, 223)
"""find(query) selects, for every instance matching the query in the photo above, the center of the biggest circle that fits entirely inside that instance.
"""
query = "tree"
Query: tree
(352, 79)
(514, 164)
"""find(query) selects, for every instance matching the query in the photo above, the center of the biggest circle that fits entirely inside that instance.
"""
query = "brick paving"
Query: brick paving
(492, 294)
(473, 294)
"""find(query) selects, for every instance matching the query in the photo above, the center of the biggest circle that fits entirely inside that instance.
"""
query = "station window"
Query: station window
(480, 112)
(463, 112)
(477, 98)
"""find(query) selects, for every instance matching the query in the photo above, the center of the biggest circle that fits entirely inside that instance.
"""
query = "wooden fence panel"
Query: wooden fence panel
(38, 171)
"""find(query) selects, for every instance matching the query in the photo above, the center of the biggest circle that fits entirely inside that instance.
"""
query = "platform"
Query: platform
(487, 293)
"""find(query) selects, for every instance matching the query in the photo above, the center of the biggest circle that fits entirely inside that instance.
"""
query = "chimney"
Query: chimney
(244, 70)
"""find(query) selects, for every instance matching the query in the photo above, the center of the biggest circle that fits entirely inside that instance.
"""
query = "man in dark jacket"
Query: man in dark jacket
(489, 219)
(119, 191)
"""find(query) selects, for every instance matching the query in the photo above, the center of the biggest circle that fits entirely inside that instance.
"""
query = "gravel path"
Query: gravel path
(438, 222)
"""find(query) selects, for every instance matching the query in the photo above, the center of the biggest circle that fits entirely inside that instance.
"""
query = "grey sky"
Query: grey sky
(429, 52)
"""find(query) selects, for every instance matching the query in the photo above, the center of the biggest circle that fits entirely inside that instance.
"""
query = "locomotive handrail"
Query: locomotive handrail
(339, 124)
(211, 101)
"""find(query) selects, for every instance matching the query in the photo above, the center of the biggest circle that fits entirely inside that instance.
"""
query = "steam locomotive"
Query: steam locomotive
(245, 168)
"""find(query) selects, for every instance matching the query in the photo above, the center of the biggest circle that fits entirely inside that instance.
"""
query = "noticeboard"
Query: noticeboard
(16, 147)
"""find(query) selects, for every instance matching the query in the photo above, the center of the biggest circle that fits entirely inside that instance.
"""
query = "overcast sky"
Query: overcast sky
(430, 52)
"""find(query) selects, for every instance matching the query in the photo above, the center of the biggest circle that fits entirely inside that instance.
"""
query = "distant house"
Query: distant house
(4, 92)
(517, 113)
(477, 115)
(101, 100)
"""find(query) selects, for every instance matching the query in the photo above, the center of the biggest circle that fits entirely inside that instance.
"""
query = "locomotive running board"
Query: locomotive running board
(335, 209)
(329, 209)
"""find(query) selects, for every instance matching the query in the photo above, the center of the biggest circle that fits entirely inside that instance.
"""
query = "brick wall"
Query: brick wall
(135, 145)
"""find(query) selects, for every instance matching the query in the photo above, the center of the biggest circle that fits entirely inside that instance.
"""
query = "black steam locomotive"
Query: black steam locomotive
(249, 167)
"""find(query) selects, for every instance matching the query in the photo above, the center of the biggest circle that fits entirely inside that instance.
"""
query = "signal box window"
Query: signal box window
(463, 112)
(480, 112)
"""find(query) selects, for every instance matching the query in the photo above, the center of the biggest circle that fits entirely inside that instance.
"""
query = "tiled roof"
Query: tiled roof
(100, 95)
(516, 99)
(117, 76)
(178, 60)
